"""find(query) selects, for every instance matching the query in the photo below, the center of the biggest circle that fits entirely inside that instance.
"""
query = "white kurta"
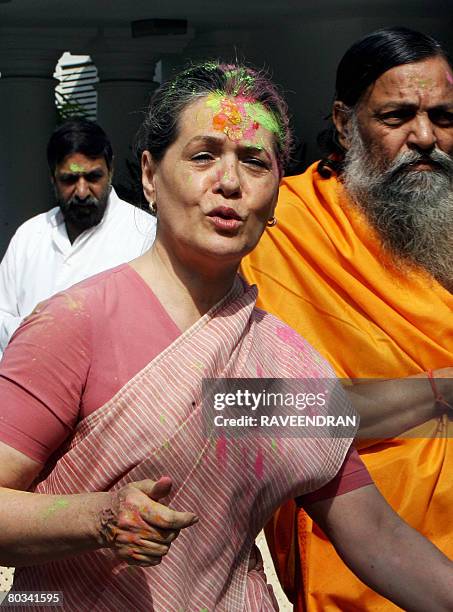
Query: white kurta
(41, 261)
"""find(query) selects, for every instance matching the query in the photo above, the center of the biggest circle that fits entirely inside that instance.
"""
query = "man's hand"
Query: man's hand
(138, 527)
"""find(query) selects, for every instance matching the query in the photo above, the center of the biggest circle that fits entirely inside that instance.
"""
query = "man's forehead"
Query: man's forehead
(77, 163)
(431, 78)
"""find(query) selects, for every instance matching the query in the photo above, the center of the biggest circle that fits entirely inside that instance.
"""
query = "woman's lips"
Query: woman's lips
(225, 218)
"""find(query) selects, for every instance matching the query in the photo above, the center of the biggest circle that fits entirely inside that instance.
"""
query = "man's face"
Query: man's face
(409, 108)
(82, 187)
(399, 163)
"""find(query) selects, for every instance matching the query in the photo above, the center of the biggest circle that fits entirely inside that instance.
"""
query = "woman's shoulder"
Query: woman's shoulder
(94, 294)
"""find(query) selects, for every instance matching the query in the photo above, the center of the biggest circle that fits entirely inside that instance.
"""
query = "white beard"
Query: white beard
(412, 210)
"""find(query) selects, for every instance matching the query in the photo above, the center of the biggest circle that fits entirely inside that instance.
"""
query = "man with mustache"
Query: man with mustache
(89, 231)
(361, 264)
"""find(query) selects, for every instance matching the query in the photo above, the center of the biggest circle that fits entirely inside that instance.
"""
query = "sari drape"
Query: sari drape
(323, 271)
(152, 427)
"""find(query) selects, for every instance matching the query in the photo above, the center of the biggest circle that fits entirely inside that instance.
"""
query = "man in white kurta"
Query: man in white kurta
(91, 230)
(41, 261)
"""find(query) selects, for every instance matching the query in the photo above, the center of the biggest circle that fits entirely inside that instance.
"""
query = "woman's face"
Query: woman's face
(217, 184)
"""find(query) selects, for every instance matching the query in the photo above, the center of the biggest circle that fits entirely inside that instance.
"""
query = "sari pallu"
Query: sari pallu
(153, 427)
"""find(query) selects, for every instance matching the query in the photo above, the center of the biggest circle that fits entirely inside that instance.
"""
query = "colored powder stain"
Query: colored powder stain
(204, 610)
(240, 117)
(210, 66)
(259, 114)
(449, 77)
(71, 303)
(255, 147)
(420, 82)
(221, 451)
(76, 168)
(292, 338)
(259, 464)
(213, 101)
(162, 418)
(259, 371)
(274, 445)
(167, 444)
(59, 504)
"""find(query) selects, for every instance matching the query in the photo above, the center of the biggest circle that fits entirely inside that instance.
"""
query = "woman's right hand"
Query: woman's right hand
(137, 527)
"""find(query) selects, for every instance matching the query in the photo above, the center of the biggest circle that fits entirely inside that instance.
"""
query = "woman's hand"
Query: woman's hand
(139, 528)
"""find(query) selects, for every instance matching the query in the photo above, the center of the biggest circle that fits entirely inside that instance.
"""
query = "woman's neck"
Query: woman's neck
(186, 292)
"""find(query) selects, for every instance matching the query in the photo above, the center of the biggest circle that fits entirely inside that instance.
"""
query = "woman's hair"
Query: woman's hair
(160, 127)
(364, 63)
(78, 136)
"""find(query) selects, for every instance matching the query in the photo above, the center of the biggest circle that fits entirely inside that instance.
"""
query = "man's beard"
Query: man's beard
(83, 214)
(412, 210)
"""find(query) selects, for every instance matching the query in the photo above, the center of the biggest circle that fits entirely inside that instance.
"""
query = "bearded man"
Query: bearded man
(89, 231)
(361, 264)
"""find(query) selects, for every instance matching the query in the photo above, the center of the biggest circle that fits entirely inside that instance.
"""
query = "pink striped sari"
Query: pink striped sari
(153, 427)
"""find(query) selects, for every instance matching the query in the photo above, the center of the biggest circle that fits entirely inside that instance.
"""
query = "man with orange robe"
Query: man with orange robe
(360, 263)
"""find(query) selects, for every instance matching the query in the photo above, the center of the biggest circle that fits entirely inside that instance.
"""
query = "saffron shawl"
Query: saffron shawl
(153, 427)
(323, 271)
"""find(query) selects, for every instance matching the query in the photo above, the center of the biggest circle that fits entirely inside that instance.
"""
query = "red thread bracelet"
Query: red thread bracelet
(438, 397)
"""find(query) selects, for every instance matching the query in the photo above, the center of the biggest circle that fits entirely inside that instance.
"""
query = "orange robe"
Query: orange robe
(322, 271)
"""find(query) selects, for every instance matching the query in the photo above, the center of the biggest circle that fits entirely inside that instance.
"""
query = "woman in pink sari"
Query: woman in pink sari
(105, 461)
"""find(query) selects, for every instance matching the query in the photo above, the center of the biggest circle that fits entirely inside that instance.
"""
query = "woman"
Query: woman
(101, 396)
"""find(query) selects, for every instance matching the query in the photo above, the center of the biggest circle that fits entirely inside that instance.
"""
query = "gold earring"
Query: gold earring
(271, 222)
(153, 207)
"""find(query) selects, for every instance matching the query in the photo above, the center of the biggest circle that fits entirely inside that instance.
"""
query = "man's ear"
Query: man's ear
(341, 117)
(148, 176)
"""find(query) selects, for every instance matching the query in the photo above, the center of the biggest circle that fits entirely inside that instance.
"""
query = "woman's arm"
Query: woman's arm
(37, 528)
(389, 408)
(384, 552)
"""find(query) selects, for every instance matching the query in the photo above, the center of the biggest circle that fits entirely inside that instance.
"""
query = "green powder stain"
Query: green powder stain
(204, 610)
(76, 168)
(257, 112)
(210, 66)
(274, 445)
(58, 505)
(162, 418)
(214, 100)
(256, 147)
(242, 81)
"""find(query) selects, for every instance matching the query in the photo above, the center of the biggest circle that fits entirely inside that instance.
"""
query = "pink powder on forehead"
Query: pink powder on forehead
(449, 77)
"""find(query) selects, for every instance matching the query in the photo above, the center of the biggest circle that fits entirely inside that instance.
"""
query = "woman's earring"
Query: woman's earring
(153, 207)
(271, 222)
